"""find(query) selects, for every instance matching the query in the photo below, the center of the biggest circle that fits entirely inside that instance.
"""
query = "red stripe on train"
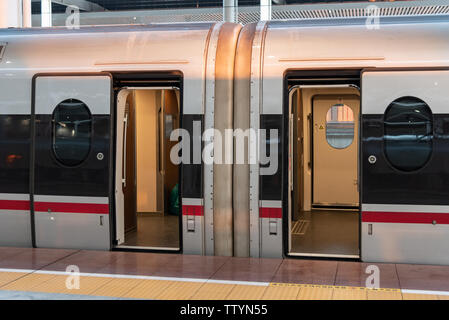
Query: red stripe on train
(405, 217)
(14, 205)
(92, 208)
(192, 210)
(270, 213)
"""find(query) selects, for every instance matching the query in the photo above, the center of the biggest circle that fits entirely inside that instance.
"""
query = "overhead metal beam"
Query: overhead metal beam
(46, 13)
(15, 14)
(10, 14)
(265, 10)
(83, 5)
(26, 14)
(230, 10)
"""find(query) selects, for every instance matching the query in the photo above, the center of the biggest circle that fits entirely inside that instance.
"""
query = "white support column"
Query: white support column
(46, 13)
(265, 10)
(10, 13)
(26, 14)
(230, 10)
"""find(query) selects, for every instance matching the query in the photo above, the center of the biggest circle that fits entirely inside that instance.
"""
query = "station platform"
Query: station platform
(42, 274)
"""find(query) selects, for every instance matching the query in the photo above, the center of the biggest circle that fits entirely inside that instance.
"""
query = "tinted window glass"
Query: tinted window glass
(408, 133)
(72, 127)
(340, 126)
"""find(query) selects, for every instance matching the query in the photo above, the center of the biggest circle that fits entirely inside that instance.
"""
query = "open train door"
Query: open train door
(71, 177)
(146, 181)
(405, 176)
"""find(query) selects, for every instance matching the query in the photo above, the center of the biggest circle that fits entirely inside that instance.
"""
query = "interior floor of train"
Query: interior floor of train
(154, 230)
(326, 232)
(27, 273)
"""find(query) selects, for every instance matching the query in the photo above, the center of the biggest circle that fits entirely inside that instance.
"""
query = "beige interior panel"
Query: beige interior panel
(147, 103)
(335, 174)
(157, 114)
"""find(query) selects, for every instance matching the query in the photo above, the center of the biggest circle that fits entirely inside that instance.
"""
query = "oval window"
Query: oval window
(408, 133)
(72, 127)
(340, 126)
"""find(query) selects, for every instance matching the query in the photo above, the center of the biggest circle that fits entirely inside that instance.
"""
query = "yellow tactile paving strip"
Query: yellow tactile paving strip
(315, 293)
(213, 291)
(281, 293)
(414, 296)
(58, 285)
(28, 282)
(146, 288)
(244, 292)
(179, 290)
(7, 277)
(351, 293)
(117, 288)
(384, 295)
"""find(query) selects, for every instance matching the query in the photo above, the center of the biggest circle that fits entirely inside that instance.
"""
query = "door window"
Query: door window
(340, 126)
(408, 133)
(72, 129)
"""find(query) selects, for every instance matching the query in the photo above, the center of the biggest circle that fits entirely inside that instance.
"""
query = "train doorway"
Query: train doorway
(147, 182)
(324, 217)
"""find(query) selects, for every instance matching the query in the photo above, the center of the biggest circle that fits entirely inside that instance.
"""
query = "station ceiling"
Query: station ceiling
(158, 4)
(116, 5)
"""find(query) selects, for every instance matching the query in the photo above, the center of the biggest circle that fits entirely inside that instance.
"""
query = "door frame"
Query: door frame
(157, 81)
(317, 79)
(32, 168)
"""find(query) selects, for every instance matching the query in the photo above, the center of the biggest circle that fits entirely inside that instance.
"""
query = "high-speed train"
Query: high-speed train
(350, 123)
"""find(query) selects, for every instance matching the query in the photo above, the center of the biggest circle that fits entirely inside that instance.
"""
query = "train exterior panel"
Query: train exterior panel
(268, 77)
(403, 212)
(46, 203)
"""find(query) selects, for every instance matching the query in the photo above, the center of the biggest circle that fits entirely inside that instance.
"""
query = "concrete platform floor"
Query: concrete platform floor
(41, 274)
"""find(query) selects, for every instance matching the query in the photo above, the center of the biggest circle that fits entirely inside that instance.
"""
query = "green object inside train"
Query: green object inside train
(174, 201)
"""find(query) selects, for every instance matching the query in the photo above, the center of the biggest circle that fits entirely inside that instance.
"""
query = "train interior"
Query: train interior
(323, 175)
(149, 215)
